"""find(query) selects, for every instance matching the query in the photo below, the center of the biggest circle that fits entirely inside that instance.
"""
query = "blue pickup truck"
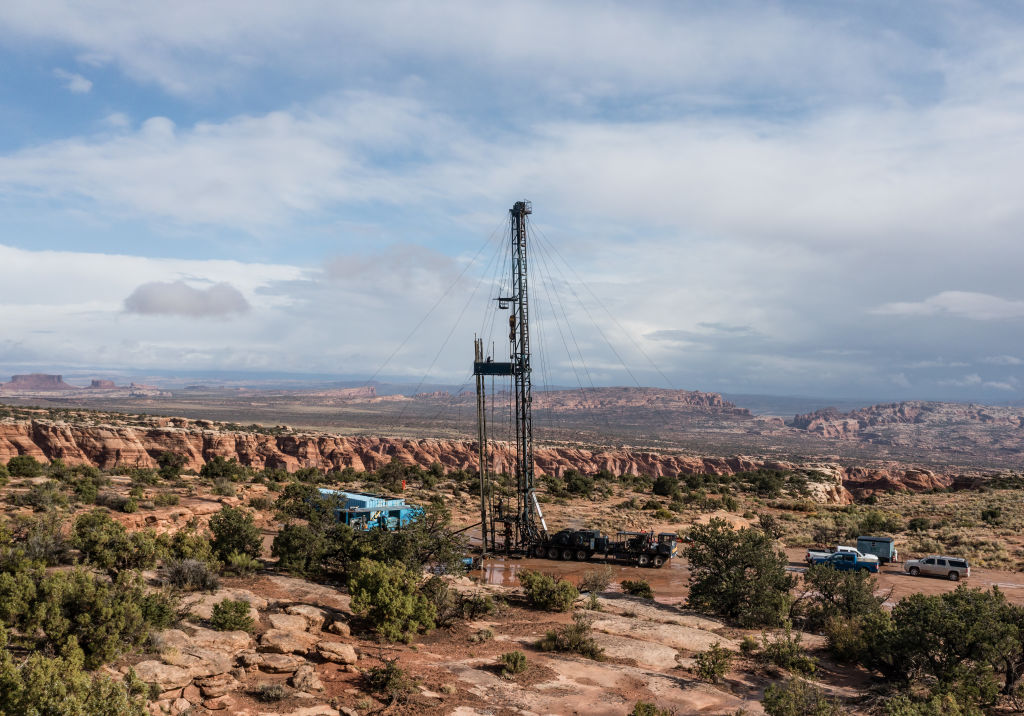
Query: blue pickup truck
(847, 561)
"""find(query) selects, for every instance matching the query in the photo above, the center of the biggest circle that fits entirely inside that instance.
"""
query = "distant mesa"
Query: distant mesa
(102, 384)
(37, 381)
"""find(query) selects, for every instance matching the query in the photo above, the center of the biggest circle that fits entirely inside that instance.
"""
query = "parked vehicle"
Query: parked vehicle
(819, 555)
(848, 562)
(952, 568)
(882, 547)
(645, 549)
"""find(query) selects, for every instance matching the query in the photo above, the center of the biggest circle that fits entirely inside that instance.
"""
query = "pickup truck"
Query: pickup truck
(848, 562)
(814, 555)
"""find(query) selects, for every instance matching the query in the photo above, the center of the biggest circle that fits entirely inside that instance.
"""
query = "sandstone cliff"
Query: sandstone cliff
(110, 445)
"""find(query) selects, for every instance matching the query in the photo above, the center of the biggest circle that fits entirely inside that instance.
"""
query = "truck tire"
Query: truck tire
(553, 552)
(645, 560)
(659, 561)
(566, 554)
(581, 555)
(914, 571)
(540, 551)
(954, 576)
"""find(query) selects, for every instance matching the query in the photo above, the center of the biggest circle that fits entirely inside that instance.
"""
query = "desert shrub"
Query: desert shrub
(102, 618)
(785, 651)
(261, 502)
(666, 486)
(25, 466)
(546, 592)
(318, 550)
(50, 686)
(388, 596)
(145, 476)
(512, 663)
(737, 574)
(481, 635)
(106, 544)
(450, 604)
(797, 697)
(388, 679)
(597, 580)
(919, 524)
(748, 645)
(223, 487)
(646, 708)
(991, 515)
(187, 543)
(664, 515)
(43, 496)
(937, 705)
(130, 505)
(234, 530)
(220, 469)
(573, 638)
(268, 693)
(159, 609)
(475, 606)
(41, 539)
(713, 664)
(833, 593)
(637, 588)
(170, 465)
(241, 564)
(190, 575)
(231, 615)
(4, 475)
(166, 499)
(730, 503)
(430, 540)
(770, 525)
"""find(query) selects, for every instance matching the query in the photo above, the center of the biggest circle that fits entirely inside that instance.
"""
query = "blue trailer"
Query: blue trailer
(364, 511)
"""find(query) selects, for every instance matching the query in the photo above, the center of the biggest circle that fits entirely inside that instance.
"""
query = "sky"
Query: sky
(789, 198)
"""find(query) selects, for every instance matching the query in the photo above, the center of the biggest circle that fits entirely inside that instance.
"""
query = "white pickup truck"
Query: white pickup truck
(814, 556)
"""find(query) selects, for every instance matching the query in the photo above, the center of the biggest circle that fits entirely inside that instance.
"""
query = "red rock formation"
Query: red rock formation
(101, 384)
(37, 381)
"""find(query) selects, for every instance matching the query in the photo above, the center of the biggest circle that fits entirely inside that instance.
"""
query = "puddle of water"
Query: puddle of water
(666, 582)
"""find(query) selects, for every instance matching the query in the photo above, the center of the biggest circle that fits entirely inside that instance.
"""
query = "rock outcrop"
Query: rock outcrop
(36, 381)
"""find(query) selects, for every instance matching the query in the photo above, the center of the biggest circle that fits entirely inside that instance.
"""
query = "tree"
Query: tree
(170, 465)
(831, 593)
(234, 530)
(106, 544)
(25, 466)
(429, 540)
(59, 686)
(797, 697)
(389, 597)
(737, 574)
(666, 486)
(220, 469)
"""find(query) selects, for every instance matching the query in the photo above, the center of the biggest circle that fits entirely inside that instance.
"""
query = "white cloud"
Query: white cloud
(964, 304)
(177, 298)
(73, 82)
(1002, 360)
(970, 380)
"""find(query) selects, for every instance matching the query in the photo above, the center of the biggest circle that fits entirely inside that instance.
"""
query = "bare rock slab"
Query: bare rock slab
(315, 616)
(279, 641)
(163, 675)
(337, 652)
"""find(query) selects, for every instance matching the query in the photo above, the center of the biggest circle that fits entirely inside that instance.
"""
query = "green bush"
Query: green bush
(103, 619)
(231, 615)
(666, 486)
(170, 465)
(41, 539)
(106, 544)
(390, 599)
(268, 693)
(573, 638)
(389, 680)
(545, 592)
(738, 574)
(512, 663)
(190, 575)
(220, 469)
(919, 524)
(43, 496)
(832, 593)
(25, 466)
(646, 708)
(785, 651)
(797, 697)
(261, 502)
(637, 588)
(713, 664)
(45, 686)
(241, 564)
(234, 530)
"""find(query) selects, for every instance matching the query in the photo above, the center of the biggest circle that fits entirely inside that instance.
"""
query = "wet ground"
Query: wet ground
(669, 583)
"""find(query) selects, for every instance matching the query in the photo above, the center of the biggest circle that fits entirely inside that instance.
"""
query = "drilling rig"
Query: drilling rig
(520, 527)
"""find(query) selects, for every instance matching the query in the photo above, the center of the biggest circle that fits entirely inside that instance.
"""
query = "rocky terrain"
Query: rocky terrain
(108, 441)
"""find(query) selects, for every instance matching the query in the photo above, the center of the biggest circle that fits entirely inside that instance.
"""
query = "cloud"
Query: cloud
(1002, 360)
(963, 304)
(73, 82)
(177, 298)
